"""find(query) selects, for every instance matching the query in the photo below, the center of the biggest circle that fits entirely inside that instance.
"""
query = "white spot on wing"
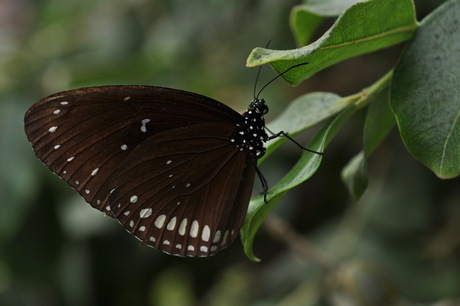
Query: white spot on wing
(64, 103)
(188, 185)
(206, 233)
(123, 147)
(224, 240)
(142, 228)
(179, 246)
(126, 213)
(131, 223)
(133, 199)
(166, 242)
(57, 111)
(143, 125)
(152, 239)
(70, 158)
(204, 249)
(182, 227)
(171, 224)
(126, 98)
(52, 129)
(217, 237)
(194, 229)
(57, 147)
(168, 162)
(145, 213)
(190, 248)
(160, 221)
(94, 172)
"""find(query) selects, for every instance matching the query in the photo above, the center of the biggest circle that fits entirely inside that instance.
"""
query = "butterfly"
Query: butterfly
(175, 168)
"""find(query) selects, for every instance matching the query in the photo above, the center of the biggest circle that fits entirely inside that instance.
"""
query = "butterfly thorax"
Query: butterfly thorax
(251, 132)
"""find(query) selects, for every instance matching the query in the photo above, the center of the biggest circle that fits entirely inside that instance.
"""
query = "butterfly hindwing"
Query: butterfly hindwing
(184, 191)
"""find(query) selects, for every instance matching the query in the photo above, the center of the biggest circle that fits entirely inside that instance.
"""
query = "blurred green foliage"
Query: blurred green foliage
(398, 245)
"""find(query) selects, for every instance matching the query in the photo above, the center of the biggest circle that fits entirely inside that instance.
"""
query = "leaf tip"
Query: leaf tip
(250, 254)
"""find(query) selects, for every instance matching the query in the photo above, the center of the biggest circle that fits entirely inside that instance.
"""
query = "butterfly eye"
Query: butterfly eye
(259, 106)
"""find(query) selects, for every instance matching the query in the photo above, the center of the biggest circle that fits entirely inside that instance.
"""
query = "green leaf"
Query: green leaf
(354, 175)
(329, 7)
(425, 95)
(303, 24)
(365, 27)
(378, 123)
(305, 19)
(302, 113)
(305, 167)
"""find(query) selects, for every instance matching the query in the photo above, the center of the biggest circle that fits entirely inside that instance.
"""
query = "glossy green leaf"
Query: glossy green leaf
(303, 24)
(305, 18)
(329, 7)
(364, 28)
(425, 94)
(354, 175)
(305, 167)
(378, 123)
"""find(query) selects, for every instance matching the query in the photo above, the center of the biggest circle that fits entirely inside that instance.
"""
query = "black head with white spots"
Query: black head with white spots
(259, 106)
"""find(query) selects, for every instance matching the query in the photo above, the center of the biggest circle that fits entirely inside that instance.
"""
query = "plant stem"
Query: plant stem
(368, 93)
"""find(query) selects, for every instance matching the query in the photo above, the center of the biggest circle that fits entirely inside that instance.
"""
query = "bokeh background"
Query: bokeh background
(399, 245)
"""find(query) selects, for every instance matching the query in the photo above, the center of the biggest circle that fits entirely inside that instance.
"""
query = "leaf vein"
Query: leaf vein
(449, 134)
(407, 28)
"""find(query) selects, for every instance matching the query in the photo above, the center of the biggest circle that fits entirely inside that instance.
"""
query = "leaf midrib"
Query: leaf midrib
(449, 134)
(407, 28)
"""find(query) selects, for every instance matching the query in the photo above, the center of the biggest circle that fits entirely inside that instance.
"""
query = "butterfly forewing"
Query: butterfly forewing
(83, 135)
(193, 198)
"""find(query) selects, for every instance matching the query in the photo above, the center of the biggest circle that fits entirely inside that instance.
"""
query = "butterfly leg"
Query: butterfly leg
(284, 134)
(263, 181)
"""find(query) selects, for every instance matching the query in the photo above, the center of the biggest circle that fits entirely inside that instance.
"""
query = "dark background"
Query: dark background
(399, 243)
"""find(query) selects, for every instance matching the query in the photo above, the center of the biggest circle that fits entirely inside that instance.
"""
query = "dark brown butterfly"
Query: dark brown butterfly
(175, 168)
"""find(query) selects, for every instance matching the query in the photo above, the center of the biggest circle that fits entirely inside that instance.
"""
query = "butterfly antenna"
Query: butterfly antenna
(258, 72)
(282, 73)
(255, 83)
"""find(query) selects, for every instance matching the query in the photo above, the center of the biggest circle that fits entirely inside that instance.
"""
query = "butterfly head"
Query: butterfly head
(259, 106)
